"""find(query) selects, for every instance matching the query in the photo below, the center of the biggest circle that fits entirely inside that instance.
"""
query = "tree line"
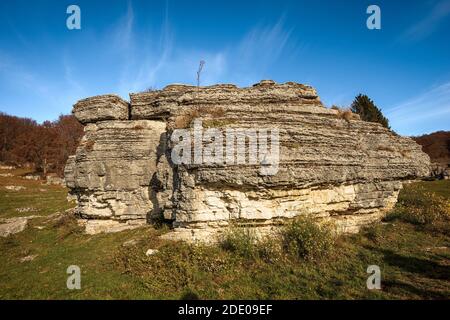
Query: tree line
(44, 147)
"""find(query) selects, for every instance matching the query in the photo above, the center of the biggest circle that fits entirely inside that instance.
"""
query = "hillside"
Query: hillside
(437, 146)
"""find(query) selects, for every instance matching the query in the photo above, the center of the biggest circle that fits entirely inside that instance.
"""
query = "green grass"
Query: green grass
(41, 198)
(414, 261)
(439, 187)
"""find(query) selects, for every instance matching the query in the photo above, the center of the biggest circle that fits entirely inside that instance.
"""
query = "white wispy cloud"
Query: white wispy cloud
(430, 22)
(422, 111)
(131, 58)
(123, 33)
(156, 56)
(73, 83)
(336, 98)
(248, 60)
(263, 44)
(38, 90)
(142, 55)
(150, 60)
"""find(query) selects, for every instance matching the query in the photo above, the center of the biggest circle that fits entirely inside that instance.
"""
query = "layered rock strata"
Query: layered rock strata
(335, 167)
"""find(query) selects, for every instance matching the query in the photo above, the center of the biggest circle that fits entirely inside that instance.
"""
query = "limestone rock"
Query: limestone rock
(35, 177)
(6, 174)
(440, 171)
(151, 252)
(345, 170)
(109, 226)
(26, 209)
(54, 180)
(69, 179)
(12, 226)
(130, 243)
(112, 170)
(267, 97)
(15, 188)
(28, 258)
(6, 167)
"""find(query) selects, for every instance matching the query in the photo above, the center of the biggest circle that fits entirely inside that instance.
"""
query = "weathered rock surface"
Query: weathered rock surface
(98, 108)
(440, 171)
(349, 171)
(15, 188)
(28, 258)
(54, 180)
(35, 177)
(109, 226)
(6, 174)
(151, 252)
(12, 226)
(6, 167)
(112, 170)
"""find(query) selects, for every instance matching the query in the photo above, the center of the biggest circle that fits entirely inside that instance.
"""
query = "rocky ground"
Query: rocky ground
(414, 259)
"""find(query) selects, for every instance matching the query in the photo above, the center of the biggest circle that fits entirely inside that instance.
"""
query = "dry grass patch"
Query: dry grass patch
(67, 225)
(345, 114)
(184, 120)
(307, 239)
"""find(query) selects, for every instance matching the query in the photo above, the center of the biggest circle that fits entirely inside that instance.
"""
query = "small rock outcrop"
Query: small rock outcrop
(13, 225)
(99, 108)
(268, 153)
(440, 171)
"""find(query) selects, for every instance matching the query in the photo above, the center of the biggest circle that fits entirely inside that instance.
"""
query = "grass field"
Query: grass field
(414, 258)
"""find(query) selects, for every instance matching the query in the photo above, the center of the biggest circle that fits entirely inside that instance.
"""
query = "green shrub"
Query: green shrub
(302, 238)
(270, 249)
(247, 245)
(306, 239)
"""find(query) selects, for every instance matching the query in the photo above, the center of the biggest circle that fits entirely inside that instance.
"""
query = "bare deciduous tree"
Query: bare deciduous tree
(45, 147)
(200, 68)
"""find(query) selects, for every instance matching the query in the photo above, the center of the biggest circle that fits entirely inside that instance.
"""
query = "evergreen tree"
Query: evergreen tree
(368, 111)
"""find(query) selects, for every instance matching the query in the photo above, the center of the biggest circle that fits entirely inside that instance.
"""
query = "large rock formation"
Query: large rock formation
(329, 164)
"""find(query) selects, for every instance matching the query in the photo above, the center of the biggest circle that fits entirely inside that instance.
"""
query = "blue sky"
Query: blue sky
(128, 46)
